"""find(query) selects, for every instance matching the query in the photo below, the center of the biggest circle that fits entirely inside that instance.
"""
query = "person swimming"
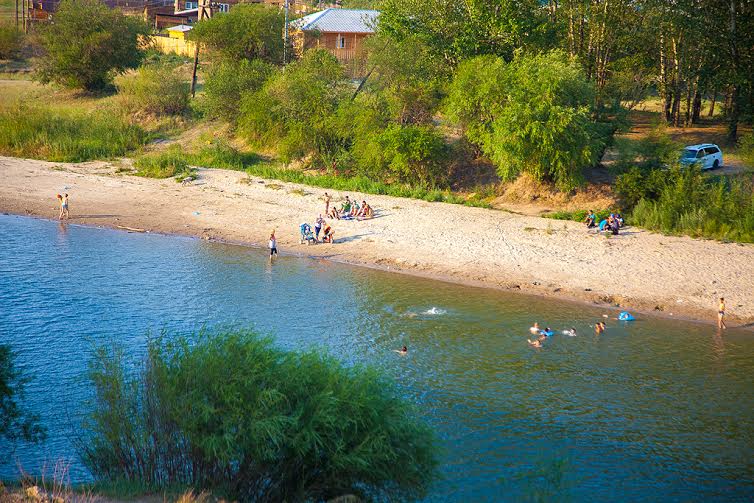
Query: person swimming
(571, 332)
(599, 328)
(402, 351)
(534, 328)
(536, 343)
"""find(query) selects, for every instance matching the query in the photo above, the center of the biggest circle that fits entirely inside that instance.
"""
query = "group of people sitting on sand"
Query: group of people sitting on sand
(310, 236)
(612, 223)
(348, 210)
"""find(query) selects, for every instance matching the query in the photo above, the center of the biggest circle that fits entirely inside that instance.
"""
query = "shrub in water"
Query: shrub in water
(154, 90)
(231, 413)
(62, 136)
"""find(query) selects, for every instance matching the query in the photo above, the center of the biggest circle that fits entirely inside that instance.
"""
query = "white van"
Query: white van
(707, 155)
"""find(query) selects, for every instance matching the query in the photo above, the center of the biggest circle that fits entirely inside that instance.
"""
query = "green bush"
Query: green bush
(154, 90)
(746, 149)
(88, 44)
(689, 202)
(219, 154)
(66, 136)
(166, 164)
(11, 41)
(231, 413)
(16, 423)
(531, 115)
(228, 81)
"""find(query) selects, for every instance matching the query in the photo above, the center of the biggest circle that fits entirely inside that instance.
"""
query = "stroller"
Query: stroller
(306, 234)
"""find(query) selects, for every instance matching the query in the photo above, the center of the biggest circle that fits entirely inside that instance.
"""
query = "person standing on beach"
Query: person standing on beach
(273, 245)
(721, 314)
(318, 226)
(328, 198)
(63, 207)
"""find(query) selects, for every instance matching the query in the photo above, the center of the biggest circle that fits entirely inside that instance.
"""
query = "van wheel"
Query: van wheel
(716, 164)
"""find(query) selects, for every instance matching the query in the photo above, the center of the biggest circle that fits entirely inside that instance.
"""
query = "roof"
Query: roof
(187, 11)
(700, 145)
(180, 27)
(339, 21)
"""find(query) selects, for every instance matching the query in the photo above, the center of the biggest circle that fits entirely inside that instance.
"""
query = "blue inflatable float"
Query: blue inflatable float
(626, 316)
(546, 333)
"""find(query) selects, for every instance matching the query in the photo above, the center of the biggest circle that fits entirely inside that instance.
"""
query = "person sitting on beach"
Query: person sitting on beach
(327, 235)
(334, 213)
(345, 209)
(366, 211)
(603, 225)
(614, 226)
(355, 210)
(591, 220)
(620, 220)
(402, 351)
(534, 328)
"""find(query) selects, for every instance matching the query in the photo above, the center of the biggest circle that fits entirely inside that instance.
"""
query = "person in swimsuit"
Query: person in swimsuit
(63, 207)
(327, 234)
(273, 245)
(402, 351)
(537, 343)
(328, 198)
(534, 328)
(598, 328)
(721, 314)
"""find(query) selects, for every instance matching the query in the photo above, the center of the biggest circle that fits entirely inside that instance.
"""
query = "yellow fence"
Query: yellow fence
(169, 45)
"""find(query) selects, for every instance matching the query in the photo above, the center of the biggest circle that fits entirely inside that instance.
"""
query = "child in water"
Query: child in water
(721, 314)
(273, 245)
(402, 351)
(534, 328)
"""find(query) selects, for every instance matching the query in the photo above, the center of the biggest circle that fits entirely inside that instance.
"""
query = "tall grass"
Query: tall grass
(165, 164)
(685, 201)
(221, 155)
(66, 136)
(229, 412)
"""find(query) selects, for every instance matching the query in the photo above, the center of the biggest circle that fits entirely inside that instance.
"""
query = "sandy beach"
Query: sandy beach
(637, 270)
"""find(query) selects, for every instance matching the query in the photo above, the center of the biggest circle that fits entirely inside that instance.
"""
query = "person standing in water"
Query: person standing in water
(63, 207)
(721, 314)
(273, 245)
(402, 351)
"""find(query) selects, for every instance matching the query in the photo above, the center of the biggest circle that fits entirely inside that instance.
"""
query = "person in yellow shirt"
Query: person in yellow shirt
(721, 314)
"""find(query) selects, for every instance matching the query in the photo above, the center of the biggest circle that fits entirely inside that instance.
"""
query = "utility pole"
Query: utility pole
(285, 47)
(205, 11)
(16, 15)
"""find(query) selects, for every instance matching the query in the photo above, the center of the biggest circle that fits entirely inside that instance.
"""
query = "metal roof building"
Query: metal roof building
(339, 21)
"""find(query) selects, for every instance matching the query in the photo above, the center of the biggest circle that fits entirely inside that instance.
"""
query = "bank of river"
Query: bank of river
(654, 410)
(672, 276)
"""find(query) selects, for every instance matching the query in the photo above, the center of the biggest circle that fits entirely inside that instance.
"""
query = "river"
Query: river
(651, 410)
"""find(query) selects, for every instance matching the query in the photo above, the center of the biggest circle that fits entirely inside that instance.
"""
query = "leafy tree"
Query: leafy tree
(296, 110)
(232, 413)
(228, 81)
(247, 31)
(15, 422)
(531, 115)
(88, 43)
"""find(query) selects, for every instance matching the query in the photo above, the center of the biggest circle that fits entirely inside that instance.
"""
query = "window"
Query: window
(712, 150)
(223, 7)
(341, 42)
(700, 153)
(191, 5)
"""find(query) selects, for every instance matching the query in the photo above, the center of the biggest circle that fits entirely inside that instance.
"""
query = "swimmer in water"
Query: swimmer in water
(571, 332)
(536, 343)
(598, 328)
(402, 351)
(535, 328)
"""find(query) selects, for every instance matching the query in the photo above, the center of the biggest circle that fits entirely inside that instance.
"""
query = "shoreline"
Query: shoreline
(450, 243)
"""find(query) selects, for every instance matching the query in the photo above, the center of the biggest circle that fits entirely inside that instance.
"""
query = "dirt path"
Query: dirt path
(638, 270)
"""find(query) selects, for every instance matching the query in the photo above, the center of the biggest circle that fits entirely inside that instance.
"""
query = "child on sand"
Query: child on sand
(273, 245)
(721, 314)
(63, 207)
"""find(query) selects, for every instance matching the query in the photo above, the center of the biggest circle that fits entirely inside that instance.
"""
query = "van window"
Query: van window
(700, 153)
(689, 153)
(712, 150)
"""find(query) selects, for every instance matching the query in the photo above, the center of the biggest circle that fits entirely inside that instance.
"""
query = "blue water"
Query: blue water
(651, 410)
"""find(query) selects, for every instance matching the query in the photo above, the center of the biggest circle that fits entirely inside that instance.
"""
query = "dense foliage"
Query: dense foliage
(15, 422)
(167, 164)
(247, 31)
(228, 81)
(154, 90)
(66, 136)
(88, 43)
(230, 412)
(11, 41)
(530, 115)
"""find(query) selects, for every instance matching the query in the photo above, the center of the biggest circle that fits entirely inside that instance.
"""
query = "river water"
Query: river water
(651, 410)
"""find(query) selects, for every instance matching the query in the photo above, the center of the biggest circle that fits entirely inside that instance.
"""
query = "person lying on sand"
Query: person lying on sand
(534, 328)
(402, 351)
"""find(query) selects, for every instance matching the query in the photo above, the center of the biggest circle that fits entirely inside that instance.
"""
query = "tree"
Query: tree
(247, 31)
(15, 422)
(228, 81)
(296, 110)
(87, 44)
(530, 115)
(232, 413)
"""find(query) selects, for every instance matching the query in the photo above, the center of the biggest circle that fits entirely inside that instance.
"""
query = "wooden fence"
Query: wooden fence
(168, 45)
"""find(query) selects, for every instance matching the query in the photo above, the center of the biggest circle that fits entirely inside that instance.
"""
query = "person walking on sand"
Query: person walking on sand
(63, 207)
(721, 314)
(318, 226)
(328, 198)
(273, 245)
